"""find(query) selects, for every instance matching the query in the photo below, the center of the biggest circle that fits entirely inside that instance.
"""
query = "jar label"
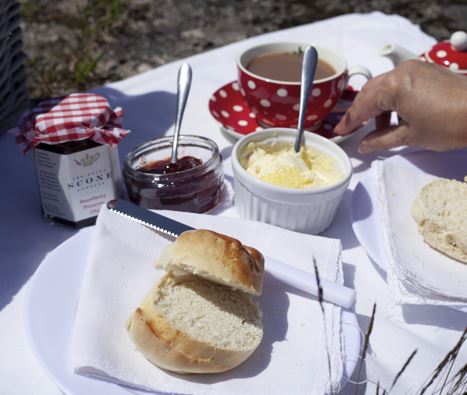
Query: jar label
(74, 186)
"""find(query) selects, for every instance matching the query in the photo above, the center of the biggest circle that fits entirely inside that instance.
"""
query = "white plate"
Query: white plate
(50, 310)
(365, 220)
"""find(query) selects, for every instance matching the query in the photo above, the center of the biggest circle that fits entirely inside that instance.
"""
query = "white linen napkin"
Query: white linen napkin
(417, 273)
(292, 356)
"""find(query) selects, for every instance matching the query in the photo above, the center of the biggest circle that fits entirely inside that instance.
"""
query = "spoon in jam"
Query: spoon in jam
(183, 89)
(310, 59)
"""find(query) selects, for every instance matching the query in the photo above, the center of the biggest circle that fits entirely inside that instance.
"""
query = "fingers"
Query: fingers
(384, 139)
(375, 98)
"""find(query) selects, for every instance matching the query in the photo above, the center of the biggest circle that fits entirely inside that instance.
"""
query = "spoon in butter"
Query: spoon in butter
(183, 89)
(310, 59)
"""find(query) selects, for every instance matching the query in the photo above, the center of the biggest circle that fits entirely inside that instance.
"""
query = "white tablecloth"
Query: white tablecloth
(149, 103)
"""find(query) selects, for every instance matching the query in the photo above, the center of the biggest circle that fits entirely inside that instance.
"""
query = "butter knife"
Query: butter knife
(297, 278)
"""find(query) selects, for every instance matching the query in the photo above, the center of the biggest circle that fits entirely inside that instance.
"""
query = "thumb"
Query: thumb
(390, 137)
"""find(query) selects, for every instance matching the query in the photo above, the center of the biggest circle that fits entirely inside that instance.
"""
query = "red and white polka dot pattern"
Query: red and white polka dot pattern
(445, 55)
(277, 104)
(230, 109)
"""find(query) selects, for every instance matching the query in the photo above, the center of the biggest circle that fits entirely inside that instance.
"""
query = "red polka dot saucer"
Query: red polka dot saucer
(228, 107)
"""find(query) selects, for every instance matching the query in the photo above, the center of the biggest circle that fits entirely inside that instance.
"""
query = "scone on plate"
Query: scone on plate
(200, 317)
(440, 210)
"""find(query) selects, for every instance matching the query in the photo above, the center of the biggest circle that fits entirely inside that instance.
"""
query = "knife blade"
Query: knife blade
(148, 218)
(297, 278)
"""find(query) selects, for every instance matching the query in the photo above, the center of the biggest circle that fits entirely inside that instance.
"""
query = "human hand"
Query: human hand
(431, 103)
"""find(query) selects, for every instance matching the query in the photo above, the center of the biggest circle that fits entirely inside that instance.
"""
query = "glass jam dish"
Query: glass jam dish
(193, 184)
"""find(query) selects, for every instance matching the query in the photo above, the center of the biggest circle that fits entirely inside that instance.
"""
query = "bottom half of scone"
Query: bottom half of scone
(187, 324)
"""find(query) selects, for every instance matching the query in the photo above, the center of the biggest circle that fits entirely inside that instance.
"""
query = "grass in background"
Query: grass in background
(71, 62)
(96, 19)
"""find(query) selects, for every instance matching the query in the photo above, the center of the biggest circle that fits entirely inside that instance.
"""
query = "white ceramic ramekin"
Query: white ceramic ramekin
(304, 210)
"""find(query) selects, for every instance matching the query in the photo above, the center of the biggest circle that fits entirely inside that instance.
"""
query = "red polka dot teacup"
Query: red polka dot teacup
(276, 103)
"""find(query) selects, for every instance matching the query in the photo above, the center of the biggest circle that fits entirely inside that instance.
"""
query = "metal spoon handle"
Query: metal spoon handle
(183, 89)
(310, 59)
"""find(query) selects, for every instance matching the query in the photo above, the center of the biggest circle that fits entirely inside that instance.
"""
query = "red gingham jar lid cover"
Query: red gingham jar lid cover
(77, 116)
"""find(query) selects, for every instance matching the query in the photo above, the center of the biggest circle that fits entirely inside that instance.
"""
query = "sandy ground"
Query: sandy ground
(74, 45)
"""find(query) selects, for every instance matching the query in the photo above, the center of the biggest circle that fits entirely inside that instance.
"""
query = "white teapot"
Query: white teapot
(450, 53)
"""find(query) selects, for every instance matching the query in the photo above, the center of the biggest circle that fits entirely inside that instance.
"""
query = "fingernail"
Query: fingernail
(336, 131)
(336, 128)
(339, 129)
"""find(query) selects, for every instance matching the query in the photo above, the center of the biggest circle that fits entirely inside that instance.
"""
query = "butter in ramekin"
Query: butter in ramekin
(277, 163)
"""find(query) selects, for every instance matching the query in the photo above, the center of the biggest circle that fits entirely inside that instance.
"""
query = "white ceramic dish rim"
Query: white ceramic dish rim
(237, 135)
(336, 60)
(268, 133)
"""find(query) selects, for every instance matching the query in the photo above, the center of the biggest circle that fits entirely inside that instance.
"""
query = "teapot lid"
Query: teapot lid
(451, 53)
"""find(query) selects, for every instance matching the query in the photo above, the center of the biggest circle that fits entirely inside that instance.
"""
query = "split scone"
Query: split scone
(200, 317)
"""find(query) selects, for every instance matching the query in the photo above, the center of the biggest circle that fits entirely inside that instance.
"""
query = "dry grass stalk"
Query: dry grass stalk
(409, 359)
(450, 356)
(366, 342)
(320, 301)
(448, 373)
(459, 382)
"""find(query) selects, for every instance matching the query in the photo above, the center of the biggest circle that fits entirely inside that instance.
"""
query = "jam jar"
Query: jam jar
(75, 179)
(194, 183)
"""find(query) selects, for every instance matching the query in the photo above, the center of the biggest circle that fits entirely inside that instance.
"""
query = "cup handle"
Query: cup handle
(364, 72)
(360, 70)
